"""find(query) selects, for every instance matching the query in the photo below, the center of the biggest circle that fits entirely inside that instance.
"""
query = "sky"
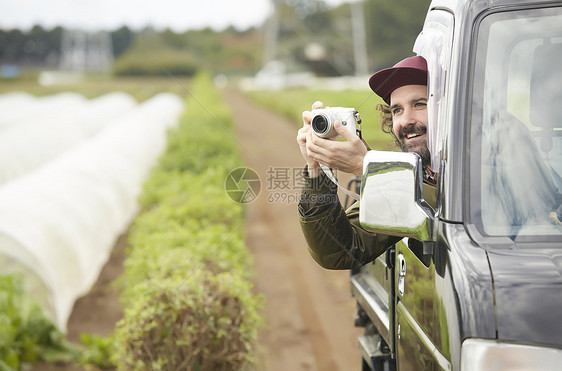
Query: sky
(94, 15)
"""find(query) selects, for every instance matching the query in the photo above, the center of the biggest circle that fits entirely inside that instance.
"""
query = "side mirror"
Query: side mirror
(392, 198)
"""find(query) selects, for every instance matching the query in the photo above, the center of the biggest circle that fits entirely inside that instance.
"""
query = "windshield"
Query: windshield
(516, 145)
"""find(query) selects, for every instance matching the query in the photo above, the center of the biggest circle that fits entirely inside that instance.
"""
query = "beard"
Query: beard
(419, 148)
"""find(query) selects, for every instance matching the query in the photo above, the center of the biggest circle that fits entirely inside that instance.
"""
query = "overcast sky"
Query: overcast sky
(179, 15)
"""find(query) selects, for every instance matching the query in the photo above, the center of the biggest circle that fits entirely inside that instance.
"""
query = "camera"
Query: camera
(323, 120)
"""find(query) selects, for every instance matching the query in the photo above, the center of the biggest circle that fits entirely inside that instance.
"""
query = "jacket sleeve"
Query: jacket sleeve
(334, 237)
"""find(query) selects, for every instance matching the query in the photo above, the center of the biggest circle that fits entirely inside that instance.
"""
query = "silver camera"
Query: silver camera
(323, 120)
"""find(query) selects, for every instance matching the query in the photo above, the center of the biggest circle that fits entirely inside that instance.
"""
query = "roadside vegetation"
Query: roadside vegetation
(291, 104)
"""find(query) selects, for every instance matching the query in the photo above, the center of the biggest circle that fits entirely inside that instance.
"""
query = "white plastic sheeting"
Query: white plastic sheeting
(59, 222)
(35, 130)
(22, 108)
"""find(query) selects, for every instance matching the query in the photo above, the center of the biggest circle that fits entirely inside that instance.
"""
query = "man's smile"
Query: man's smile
(412, 132)
(413, 135)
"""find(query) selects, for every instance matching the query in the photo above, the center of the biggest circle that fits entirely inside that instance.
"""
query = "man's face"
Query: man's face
(408, 105)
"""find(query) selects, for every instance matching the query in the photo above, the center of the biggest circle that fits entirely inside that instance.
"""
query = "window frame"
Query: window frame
(474, 144)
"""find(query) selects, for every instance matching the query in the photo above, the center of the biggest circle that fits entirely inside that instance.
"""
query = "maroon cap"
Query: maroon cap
(409, 71)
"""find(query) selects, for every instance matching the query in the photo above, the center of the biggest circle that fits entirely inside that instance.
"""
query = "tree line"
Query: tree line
(42, 47)
(302, 26)
(391, 27)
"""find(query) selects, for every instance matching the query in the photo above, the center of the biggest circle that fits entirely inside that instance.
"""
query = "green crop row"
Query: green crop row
(186, 290)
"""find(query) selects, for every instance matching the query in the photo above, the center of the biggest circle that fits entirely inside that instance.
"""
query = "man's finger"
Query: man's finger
(318, 146)
(306, 118)
(317, 105)
(307, 115)
(301, 136)
(319, 141)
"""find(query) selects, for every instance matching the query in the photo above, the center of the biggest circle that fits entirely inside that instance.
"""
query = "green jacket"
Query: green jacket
(334, 236)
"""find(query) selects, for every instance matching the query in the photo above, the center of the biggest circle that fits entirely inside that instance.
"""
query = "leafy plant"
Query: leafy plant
(98, 350)
(200, 322)
(26, 334)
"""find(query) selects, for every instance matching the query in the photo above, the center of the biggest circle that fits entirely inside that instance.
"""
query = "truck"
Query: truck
(475, 283)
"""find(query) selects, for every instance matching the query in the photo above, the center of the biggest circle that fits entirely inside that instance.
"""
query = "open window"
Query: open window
(434, 44)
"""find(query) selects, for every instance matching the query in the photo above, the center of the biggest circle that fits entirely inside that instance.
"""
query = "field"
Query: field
(288, 103)
(309, 313)
(94, 86)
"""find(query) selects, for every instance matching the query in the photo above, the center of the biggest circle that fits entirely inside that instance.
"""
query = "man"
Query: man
(335, 238)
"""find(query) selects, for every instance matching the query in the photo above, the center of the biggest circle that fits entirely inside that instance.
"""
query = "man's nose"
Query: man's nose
(409, 117)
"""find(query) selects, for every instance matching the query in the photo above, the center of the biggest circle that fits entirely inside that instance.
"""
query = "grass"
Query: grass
(291, 103)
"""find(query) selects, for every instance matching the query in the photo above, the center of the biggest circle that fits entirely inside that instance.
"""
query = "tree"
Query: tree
(392, 28)
(121, 40)
(35, 47)
(11, 45)
(299, 26)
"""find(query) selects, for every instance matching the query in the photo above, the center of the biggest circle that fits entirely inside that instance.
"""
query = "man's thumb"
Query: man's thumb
(343, 130)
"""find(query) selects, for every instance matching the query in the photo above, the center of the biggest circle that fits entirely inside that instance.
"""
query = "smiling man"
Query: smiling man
(404, 88)
(334, 236)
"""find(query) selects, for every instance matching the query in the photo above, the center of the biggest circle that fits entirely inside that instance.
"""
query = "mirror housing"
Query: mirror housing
(392, 196)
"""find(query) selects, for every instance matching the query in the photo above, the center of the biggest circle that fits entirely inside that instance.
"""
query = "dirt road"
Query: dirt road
(309, 310)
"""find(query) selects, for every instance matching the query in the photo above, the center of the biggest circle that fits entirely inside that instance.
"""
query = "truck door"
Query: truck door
(422, 340)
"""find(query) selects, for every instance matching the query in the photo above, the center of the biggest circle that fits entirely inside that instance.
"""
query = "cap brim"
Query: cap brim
(386, 81)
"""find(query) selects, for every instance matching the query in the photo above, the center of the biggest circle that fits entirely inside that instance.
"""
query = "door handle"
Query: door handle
(401, 273)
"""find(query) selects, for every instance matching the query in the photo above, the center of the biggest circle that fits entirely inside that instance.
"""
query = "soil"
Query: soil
(309, 310)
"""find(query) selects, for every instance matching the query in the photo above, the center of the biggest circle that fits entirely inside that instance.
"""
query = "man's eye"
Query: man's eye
(420, 104)
(396, 111)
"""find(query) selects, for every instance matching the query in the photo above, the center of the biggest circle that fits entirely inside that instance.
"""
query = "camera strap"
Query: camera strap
(328, 171)
(330, 175)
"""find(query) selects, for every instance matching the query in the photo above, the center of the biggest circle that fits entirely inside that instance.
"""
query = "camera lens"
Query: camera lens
(320, 124)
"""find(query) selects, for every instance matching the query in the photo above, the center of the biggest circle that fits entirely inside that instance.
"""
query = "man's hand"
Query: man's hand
(344, 155)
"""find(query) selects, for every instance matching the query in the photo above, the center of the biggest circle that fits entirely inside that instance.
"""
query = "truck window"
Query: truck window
(516, 125)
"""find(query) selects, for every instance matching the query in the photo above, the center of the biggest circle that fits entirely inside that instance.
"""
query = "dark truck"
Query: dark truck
(476, 281)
